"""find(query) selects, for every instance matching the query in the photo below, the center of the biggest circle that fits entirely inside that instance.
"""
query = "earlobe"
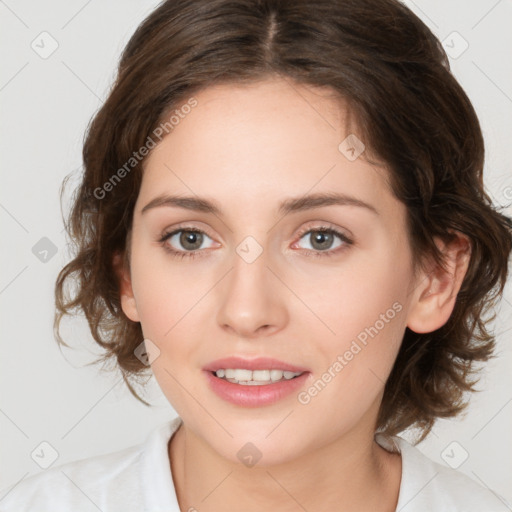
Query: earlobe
(127, 297)
(436, 292)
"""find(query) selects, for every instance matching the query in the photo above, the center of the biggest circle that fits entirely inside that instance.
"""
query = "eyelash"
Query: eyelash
(309, 253)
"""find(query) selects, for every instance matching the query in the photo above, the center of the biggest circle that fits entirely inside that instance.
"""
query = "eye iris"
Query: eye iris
(322, 238)
(191, 237)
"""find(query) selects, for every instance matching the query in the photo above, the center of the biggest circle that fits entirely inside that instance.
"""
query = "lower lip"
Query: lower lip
(254, 396)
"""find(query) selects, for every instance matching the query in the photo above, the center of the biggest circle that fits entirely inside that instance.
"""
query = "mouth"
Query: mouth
(254, 382)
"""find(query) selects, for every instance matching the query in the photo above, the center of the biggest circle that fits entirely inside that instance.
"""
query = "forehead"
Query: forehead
(287, 120)
(252, 145)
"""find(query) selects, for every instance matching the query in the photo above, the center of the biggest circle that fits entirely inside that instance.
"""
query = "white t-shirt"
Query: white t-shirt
(139, 479)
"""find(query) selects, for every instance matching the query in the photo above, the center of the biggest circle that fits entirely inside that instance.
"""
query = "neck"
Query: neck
(353, 473)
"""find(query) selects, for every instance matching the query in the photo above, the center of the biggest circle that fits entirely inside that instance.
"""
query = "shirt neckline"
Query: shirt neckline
(156, 473)
(156, 476)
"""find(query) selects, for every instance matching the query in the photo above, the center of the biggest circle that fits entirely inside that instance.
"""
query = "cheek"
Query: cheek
(168, 302)
(357, 361)
(364, 309)
(362, 296)
(368, 333)
(165, 293)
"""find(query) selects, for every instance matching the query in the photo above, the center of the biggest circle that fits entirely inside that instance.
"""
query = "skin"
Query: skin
(248, 148)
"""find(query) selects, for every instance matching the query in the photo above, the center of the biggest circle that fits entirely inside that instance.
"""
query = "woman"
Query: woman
(282, 216)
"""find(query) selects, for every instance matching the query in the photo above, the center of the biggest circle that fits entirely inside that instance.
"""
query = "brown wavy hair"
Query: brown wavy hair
(411, 112)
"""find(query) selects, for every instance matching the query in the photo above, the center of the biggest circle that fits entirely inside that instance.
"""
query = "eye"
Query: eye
(322, 240)
(187, 240)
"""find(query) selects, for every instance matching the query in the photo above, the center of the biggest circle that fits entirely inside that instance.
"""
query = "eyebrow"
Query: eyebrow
(294, 204)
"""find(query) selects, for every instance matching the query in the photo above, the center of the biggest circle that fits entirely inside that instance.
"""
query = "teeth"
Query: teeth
(276, 375)
(259, 375)
(239, 374)
(256, 377)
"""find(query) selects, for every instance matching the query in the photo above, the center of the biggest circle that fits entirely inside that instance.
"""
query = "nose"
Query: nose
(252, 298)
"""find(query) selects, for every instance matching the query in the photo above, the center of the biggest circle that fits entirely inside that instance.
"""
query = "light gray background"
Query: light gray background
(45, 105)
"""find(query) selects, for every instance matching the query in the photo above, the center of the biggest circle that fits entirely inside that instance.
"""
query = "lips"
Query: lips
(260, 363)
(255, 396)
(258, 394)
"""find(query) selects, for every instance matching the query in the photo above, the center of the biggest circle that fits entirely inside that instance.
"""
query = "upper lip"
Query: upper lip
(260, 363)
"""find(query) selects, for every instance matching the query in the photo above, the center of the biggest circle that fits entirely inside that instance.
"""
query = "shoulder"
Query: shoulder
(81, 484)
(107, 482)
(427, 485)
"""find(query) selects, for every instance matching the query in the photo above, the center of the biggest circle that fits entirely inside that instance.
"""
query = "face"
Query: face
(319, 288)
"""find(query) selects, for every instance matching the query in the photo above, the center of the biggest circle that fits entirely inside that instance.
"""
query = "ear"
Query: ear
(128, 303)
(436, 291)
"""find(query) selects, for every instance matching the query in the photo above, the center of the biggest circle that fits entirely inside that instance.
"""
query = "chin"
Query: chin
(261, 442)
(258, 453)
